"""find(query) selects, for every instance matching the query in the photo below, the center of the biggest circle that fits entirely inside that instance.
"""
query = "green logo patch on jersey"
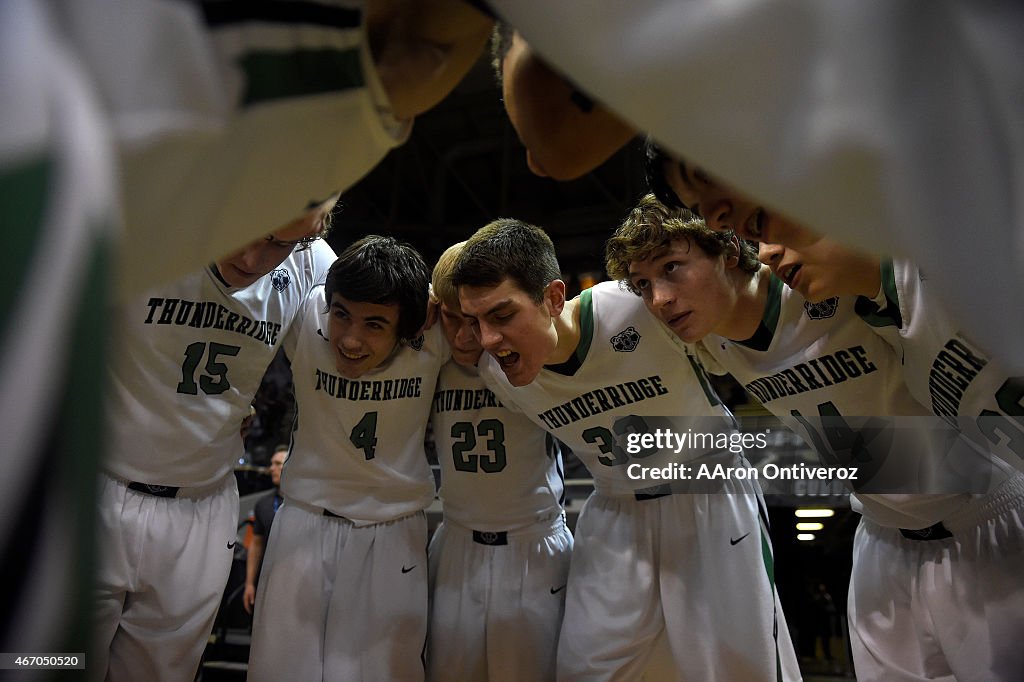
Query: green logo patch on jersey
(626, 341)
(823, 310)
(280, 279)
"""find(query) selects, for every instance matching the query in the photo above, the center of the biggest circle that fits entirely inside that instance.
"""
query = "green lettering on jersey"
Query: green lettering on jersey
(494, 433)
(215, 380)
(364, 435)
(866, 446)
(608, 444)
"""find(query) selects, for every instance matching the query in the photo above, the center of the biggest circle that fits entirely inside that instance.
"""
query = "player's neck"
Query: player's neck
(567, 329)
(748, 310)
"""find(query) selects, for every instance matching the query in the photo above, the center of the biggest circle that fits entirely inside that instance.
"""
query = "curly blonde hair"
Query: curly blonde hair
(651, 225)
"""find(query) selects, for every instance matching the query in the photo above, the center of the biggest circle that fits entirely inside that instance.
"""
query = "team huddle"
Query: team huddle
(177, 132)
(658, 577)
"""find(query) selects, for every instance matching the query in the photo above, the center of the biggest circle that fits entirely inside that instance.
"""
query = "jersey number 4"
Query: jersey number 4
(215, 379)
(364, 435)
(490, 429)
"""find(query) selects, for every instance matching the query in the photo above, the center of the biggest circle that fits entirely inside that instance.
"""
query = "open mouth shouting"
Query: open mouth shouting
(507, 359)
(789, 273)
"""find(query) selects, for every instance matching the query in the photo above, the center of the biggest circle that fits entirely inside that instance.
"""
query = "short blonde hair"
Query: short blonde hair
(444, 291)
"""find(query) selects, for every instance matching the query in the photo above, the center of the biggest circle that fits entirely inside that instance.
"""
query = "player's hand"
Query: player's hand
(249, 598)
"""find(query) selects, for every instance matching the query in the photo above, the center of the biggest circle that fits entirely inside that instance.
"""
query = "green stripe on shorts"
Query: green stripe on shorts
(769, 567)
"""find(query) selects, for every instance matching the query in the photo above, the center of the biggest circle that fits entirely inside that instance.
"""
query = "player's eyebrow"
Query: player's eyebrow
(653, 256)
(372, 318)
(498, 307)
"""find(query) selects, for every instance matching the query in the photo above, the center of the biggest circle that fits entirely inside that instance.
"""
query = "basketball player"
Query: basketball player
(591, 371)
(918, 559)
(250, 109)
(343, 594)
(58, 208)
(188, 359)
(945, 368)
(499, 562)
(244, 111)
(787, 107)
(948, 372)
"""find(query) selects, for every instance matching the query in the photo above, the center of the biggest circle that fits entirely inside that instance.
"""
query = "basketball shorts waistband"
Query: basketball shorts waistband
(497, 538)
(169, 491)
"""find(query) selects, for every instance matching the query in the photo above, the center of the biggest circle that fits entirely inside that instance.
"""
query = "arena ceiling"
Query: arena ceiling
(463, 166)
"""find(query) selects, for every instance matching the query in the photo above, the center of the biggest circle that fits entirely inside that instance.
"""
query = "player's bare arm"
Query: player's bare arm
(565, 134)
(423, 48)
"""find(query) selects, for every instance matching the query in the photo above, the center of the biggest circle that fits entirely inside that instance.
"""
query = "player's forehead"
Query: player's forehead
(679, 247)
(646, 260)
(476, 301)
(452, 311)
(366, 311)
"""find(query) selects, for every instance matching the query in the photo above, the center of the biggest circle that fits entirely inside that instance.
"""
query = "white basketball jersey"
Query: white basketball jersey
(946, 370)
(187, 361)
(814, 366)
(499, 471)
(357, 450)
(629, 374)
(834, 141)
(230, 115)
(58, 209)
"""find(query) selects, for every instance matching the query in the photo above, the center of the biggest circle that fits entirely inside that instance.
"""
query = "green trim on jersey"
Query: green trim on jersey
(575, 361)
(875, 315)
(586, 325)
(272, 76)
(23, 193)
(762, 338)
(705, 383)
(80, 423)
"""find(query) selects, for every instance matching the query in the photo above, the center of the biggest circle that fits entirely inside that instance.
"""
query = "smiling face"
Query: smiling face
(686, 288)
(458, 329)
(822, 268)
(362, 335)
(517, 331)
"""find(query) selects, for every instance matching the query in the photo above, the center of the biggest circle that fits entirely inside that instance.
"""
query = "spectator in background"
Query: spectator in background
(262, 518)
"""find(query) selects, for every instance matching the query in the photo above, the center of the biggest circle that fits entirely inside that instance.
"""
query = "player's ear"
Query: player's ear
(732, 252)
(554, 296)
